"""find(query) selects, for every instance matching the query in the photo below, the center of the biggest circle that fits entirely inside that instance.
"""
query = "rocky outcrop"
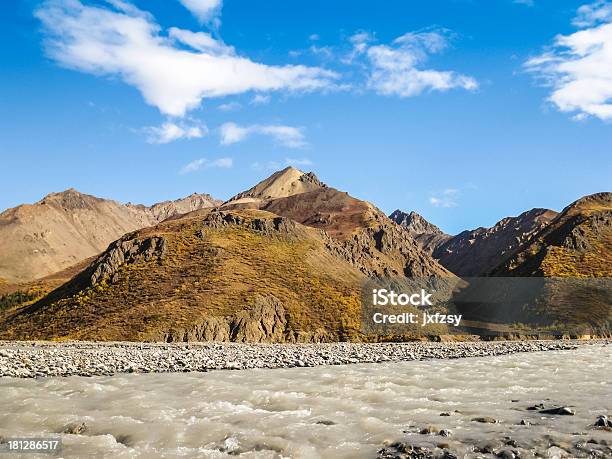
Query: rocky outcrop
(265, 321)
(125, 251)
(272, 226)
(427, 235)
(384, 249)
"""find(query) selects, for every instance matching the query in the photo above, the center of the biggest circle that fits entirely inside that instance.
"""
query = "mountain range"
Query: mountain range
(285, 261)
(65, 228)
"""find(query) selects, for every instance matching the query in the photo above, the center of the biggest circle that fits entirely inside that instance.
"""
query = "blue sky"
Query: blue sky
(465, 111)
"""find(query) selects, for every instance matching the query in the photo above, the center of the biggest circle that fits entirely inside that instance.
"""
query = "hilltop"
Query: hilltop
(65, 228)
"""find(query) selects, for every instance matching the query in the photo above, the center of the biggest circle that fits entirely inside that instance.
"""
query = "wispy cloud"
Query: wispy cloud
(578, 67)
(260, 99)
(230, 107)
(204, 10)
(171, 131)
(444, 198)
(174, 71)
(397, 68)
(203, 163)
(524, 2)
(287, 136)
(593, 13)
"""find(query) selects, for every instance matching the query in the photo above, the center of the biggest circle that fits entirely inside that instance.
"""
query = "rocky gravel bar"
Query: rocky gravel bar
(41, 359)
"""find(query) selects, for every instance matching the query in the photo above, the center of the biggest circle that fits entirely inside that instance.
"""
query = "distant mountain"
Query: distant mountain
(577, 243)
(426, 234)
(476, 252)
(65, 228)
(559, 278)
(370, 239)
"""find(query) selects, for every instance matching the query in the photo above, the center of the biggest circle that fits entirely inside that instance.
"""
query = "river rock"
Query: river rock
(75, 428)
(561, 410)
(603, 421)
(486, 420)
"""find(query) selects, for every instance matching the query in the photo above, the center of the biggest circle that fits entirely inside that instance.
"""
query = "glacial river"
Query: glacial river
(330, 412)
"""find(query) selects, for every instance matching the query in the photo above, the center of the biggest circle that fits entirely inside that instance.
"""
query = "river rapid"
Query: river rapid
(348, 411)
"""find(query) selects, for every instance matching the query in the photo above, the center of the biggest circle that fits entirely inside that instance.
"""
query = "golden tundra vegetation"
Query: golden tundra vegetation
(206, 271)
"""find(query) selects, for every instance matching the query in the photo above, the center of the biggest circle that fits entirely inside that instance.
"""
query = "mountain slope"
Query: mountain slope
(560, 278)
(426, 234)
(476, 252)
(240, 275)
(577, 243)
(374, 243)
(65, 228)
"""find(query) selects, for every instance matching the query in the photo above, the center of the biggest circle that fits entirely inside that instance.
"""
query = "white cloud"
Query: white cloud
(260, 99)
(445, 198)
(173, 73)
(395, 69)
(200, 41)
(203, 163)
(204, 10)
(170, 131)
(594, 13)
(230, 106)
(322, 51)
(578, 67)
(287, 136)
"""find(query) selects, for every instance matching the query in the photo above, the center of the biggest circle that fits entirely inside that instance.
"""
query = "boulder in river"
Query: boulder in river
(561, 410)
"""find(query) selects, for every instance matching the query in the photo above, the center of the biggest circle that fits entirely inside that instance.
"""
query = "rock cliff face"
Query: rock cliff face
(66, 228)
(382, 249)
(427, 235)
(266, 321)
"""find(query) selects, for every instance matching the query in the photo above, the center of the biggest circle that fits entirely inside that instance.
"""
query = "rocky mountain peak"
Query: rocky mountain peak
(286, 182)
(414, 223)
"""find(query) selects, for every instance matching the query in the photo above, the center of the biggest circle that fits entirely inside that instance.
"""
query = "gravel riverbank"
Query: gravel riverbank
(40, 359)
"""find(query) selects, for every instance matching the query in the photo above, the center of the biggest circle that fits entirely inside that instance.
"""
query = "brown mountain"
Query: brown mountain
(476, 252)
(65, 228)
(376, 245)
(560, 278)
(426, 234)
(577, 243)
